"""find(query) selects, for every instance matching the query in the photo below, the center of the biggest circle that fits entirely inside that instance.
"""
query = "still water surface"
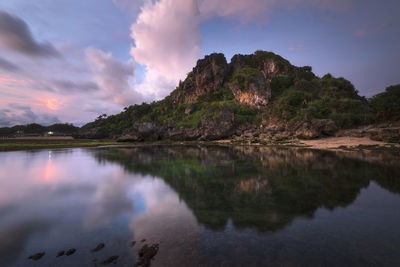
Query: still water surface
(205, 206)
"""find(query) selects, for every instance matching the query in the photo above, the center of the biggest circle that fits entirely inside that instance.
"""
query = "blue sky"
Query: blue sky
(73, 60)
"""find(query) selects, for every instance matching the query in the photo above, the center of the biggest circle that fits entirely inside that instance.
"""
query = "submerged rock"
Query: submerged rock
(142, 240)
(146, 254)
(60, 253)
(99, 247)
(112, 259)
(37, 256)
(132, 243)
(70, 251)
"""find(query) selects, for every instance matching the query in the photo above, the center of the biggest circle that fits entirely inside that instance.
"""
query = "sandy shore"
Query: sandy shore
(337, 142)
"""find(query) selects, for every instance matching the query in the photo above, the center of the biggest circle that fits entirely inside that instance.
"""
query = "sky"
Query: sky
(68, 61)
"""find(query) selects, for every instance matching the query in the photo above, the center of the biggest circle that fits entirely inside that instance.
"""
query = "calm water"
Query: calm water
(210, 206)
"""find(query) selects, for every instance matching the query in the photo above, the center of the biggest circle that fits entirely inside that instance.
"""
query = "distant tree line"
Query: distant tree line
(34, 128)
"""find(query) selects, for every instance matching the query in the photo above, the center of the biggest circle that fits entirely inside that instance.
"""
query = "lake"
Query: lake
(203, 205)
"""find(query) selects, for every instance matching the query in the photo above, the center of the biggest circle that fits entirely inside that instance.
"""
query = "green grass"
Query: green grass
(18, 144)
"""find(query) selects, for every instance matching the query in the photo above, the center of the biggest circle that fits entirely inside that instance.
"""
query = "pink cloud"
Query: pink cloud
(167, 37)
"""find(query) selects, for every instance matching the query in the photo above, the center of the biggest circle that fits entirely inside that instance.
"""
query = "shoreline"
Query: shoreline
(344, 143)
(47, 143)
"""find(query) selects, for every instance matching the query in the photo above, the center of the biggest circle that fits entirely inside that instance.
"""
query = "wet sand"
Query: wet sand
(339, 142)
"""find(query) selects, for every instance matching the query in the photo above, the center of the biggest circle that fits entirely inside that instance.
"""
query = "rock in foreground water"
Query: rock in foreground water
(70, 251)
(37, 256)
(60, 253)
(146, 254)
(99, 247)
(112, 259)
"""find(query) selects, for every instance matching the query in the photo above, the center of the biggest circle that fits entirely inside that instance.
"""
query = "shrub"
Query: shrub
(387, 104)
(243, 77)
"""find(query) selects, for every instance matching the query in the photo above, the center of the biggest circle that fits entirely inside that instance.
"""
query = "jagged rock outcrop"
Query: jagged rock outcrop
(208, 75)
(247, 76)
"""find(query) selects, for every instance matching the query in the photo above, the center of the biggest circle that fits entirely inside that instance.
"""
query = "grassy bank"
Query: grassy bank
(19, 144)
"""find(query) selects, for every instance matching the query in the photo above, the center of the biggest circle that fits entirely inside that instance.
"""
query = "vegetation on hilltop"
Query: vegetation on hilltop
(386, 105)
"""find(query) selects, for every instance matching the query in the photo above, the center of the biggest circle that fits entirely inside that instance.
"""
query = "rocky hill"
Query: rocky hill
(259, 96)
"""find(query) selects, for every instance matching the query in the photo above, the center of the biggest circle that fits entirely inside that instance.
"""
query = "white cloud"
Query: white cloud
(167, 41)
(155, 85)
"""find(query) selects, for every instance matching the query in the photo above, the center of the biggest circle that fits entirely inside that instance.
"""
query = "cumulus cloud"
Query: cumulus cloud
(167, 38)
(21, 114)
(155, 85)
(16, 36)
(113, 76)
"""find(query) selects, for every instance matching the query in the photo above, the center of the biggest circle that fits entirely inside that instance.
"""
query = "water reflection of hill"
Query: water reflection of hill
(259, 188)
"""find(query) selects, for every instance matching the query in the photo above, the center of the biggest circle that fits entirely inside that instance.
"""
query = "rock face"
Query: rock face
(213, 72)
(208, 75)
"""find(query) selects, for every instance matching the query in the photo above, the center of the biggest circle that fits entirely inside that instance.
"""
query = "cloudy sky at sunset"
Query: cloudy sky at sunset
(71, 60)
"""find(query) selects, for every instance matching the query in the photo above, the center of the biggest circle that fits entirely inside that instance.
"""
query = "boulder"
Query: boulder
(314, 129)
(219, 127)
(143, 131)
(386, 134)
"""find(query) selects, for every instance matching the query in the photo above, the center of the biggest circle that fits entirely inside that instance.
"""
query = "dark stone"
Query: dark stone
(113, 259)
(37, 256)
(146, 254)
(60, 253)
(143, 131)
(132, 243)
(70, 251)
(220, 127)
(99, 247)
(314, 129)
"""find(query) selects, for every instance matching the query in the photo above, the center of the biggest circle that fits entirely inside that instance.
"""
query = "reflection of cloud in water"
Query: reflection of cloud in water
(57, 199)
(14, 237)
(110, 200)
(168, 220)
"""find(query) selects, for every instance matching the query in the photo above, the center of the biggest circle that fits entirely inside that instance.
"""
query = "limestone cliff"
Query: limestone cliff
(247, 76)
